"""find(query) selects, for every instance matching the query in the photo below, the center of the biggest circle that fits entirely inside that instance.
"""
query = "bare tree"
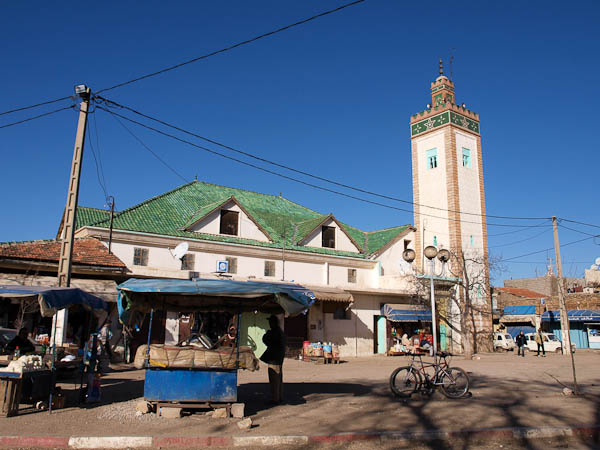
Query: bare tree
(463, 299)
(27, 305)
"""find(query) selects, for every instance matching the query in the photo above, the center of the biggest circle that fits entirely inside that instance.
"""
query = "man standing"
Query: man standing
(520, 339)
(539, 339)
(274, 339)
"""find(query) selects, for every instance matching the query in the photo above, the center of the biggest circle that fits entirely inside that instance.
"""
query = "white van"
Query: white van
(551, 343)
(503, 342)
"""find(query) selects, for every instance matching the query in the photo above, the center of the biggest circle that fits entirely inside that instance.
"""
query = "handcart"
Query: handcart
(183, 382)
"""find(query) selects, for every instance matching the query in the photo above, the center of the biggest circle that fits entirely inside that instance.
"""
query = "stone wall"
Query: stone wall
(572, 301)
(547, 285)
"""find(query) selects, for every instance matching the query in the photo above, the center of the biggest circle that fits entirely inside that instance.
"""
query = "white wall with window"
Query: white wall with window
(342, 242)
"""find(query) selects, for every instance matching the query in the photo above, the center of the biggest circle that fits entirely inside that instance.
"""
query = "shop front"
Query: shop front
(584, 326)
(401, 319)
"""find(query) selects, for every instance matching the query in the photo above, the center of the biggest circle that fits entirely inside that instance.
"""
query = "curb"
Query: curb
(117, 442)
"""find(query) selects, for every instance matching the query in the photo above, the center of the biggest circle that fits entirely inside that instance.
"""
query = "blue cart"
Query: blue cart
(195, 387)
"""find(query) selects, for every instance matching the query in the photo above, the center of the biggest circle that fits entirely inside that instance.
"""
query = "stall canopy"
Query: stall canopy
(575, 315)
(51, 299)
(200, 295)
(399, 313)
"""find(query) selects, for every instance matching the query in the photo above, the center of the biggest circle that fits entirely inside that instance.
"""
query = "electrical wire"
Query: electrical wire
(282, 166)
(36, 117)
(98, 167)
(288, 177)
(149, 149)
(516, 228)
(546, 249)
(579, 223)
(99, 152)
(34, 106)
(522, 240)
(578, 231)
(231, 47)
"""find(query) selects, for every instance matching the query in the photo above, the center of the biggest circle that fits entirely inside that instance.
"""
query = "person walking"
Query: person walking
(520, 340)
(539, 340)
(274, 339)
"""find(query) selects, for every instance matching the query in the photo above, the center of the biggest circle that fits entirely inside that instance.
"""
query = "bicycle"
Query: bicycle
(453, 381)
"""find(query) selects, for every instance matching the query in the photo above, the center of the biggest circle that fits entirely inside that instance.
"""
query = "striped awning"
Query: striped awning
(575, 315)
(330, 294)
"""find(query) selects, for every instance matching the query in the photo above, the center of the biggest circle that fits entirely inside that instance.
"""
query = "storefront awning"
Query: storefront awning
(575, 315)
(330, 294)
(400, 313)
(518, 318)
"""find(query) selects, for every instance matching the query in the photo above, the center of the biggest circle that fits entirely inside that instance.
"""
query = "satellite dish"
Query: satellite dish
(179, 251)
(597, 262)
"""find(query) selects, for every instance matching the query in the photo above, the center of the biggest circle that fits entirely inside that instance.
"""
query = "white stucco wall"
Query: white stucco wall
(342, 242)
(469, 193)
(246, 228)
(391, 259)
(432, 189)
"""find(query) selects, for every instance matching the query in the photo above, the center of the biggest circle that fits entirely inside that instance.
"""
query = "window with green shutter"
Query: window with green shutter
(431, 158)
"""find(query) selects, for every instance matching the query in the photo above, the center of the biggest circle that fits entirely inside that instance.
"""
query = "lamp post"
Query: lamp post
(430, 253)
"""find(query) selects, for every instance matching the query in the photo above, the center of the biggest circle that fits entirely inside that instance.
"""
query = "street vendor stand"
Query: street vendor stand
(206, 378)
(51, 300)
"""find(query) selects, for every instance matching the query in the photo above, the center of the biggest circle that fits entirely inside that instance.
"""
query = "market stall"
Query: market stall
(201, 374)
(30, 373)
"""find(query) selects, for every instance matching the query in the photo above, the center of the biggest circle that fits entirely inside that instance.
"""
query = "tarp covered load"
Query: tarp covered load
(400, 313)
(52, 299)
(201, 295)
(190, 357)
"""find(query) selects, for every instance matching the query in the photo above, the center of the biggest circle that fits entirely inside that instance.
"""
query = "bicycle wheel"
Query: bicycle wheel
(454, 382)
(404, 381)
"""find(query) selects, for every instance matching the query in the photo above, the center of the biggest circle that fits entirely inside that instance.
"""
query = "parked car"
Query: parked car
(503, 342)
(551, 343)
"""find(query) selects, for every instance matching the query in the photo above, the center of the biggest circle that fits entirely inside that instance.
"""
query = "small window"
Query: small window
(351, 275)
(499, 337)
(381, 271)
(187, 262)
(435, 241)
(229, 222)
(269, 268)
(140, 256)
(328, 237)
(406, 244)
(466, 158)
(472, 241)
(232, 267)
(341, 314)
(432, 158)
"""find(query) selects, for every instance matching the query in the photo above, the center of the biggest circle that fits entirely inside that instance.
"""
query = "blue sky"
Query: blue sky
(332, 97)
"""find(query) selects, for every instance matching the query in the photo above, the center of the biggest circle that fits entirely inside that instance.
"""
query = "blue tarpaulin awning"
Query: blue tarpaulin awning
(399, 313)
(212, 295)
(52, 299)
(519, 310)
(575, 315)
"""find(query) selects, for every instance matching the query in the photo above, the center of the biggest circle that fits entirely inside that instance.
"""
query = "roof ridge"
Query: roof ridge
(43, 241)
(387, 229)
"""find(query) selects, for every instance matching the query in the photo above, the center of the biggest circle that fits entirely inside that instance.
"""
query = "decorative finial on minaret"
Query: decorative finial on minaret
(441, 67)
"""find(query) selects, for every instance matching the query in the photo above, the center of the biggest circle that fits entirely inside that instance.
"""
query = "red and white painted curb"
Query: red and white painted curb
(108, 442)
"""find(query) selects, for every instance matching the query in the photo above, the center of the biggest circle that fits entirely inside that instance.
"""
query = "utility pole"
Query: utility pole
(564, 317)
(66, 247)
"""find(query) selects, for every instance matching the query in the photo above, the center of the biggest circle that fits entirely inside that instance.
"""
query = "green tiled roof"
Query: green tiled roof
(90, 216)
(285, 221)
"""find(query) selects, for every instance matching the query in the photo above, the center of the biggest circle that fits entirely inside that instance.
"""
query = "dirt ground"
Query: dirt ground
(507, 391)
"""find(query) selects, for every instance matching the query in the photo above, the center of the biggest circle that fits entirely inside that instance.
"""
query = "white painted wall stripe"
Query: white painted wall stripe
(111, 442)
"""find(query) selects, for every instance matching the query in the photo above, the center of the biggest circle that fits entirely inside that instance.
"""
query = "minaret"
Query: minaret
(448, 177)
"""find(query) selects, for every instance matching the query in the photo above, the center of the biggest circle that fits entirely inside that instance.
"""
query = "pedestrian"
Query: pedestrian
(520, 339)
(274, 339)
(539, 339)
(105, 337)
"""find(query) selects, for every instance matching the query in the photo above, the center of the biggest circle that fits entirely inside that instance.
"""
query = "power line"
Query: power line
(580, 223)
(148, 148)
(517, 228)
(546, 249)
(98, 166)
(35, 117)
(578, 231)
(326, 180)
(288, 177)
(518, 242)
(34, 106)
(231, 47)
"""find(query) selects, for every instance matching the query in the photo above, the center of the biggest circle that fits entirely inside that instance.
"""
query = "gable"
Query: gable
(211, 223)
(342, 240)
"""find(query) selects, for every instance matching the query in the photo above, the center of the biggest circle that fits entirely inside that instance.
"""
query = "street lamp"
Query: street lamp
(430, 253)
